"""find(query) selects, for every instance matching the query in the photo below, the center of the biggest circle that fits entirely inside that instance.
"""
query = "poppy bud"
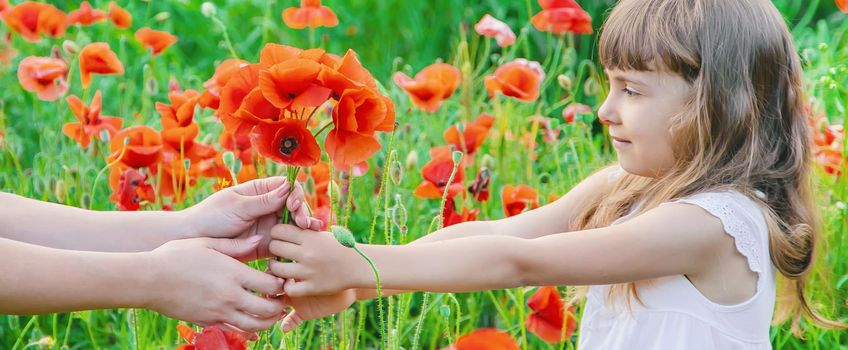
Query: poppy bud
(457, 156)
(488, 161)
(60, 191)
(590, 87)
(174, 85)
(395, 168)
(46, 342)
(70, 47)
(187, 163)
(412, 160)
(445, 310)
(105, 136)
(564, 81)
(343, 236)
(208, 9)
(162, 16)
(152, 86)
(399, 215)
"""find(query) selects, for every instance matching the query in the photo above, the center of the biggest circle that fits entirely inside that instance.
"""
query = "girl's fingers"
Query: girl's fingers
(248, 335)
(285, 270)
(284, 249)
(295, 198)
(250, 323)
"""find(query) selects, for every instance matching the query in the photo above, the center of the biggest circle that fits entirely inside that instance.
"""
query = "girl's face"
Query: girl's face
(638, 111)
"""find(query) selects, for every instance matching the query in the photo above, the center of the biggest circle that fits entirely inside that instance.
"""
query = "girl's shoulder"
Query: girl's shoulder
(742, 218)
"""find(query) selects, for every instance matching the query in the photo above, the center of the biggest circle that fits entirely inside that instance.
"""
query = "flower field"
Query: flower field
(398, 117)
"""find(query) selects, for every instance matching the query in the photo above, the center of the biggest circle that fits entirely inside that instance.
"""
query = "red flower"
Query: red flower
(517, 198)
(843, 5)
(143, 148)
(485, 339)
(178, 126)
(288, 142)
(479, 189)
(155, 40)
(310, 14)
(572, 110)
(90, 122)
(133, 191)
(358, 115)
(98, 58)
(211, 338)
(520, 79)
(472, 136)
(431, 85)
(33, 19)
(119, 16)
(223, 73)
(240, 84)
(85, 15)
(548, 318)
(436, 174)
(44, 76)
(493, 28)
(293, 84)
(562, 16)
(4, 5)
(451, 217)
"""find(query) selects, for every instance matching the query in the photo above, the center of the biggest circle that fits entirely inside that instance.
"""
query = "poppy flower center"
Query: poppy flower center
(288, 145)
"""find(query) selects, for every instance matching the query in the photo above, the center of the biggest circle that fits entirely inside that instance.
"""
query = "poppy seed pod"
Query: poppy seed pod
(343, 236)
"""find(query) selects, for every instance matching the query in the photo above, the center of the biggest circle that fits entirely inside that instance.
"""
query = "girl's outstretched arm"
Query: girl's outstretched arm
(668, 240)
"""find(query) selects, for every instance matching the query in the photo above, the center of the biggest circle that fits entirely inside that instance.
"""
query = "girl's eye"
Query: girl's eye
(630, 93)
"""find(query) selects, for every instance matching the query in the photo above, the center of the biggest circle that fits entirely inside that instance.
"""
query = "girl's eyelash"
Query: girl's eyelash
(630, 93)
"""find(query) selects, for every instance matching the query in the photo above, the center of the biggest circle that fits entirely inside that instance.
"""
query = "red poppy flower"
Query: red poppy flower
(451, 217)
(562, 16)
(843, 5)
(155, 40)
(98, 58)
(491, 27)
(288, 142)
(293, 83)
(549, 133)
(431, 85)
(211, 338)
(44, 76)
(572, 110)
(520, 79)
(4, 5)
(119, 16)
(517, 198)
(548, 318)
(347, 73)
(310, 14)
(133, 191)
(90, 122)
(33, 19)
(472, 136)
(223, 73)
(436, 174)
(86, 15)
(143, 148)
(485, 339)
(255, 108)
(479, 189)
(242, 83)
(358, 115)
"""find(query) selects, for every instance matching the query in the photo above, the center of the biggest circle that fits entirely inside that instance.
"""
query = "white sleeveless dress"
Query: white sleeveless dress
(674, 314)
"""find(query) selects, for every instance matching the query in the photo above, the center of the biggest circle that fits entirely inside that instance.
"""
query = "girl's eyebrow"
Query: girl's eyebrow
(624, 77)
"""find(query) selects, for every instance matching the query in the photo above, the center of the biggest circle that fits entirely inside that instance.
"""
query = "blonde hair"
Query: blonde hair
(743, 127)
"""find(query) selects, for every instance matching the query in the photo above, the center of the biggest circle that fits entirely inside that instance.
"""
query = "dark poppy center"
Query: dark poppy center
(288, 145)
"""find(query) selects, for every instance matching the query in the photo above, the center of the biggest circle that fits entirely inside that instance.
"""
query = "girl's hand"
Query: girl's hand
(314, 307)
(199, 281)
(320, 266)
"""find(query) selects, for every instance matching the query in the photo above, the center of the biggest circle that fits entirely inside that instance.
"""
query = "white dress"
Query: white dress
(674, 314)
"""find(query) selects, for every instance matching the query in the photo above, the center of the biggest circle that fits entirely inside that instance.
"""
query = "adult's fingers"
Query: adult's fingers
(288, 233)
(261, 282)
(295, 198)
(250, 323)
(259, 186)
(254, 206)
(261, 307)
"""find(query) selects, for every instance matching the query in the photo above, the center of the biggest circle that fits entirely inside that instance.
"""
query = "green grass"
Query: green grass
(38, 161)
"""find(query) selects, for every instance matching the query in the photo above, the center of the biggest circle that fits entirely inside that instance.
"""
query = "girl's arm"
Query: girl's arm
(240, 211)
(552, 218)
(668, 240)
(193, 280)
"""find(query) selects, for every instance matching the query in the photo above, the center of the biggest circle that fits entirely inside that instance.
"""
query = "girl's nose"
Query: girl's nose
(607, 115)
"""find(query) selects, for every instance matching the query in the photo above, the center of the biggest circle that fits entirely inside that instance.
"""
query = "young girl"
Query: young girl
(682, 241)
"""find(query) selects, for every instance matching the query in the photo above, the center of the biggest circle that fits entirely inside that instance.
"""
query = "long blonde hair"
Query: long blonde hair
(743, 127)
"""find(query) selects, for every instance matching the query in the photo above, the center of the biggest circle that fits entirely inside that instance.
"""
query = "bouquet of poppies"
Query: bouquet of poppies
(275, 102)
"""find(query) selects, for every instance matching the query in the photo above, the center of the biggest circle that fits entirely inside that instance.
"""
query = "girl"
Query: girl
(682, 241)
